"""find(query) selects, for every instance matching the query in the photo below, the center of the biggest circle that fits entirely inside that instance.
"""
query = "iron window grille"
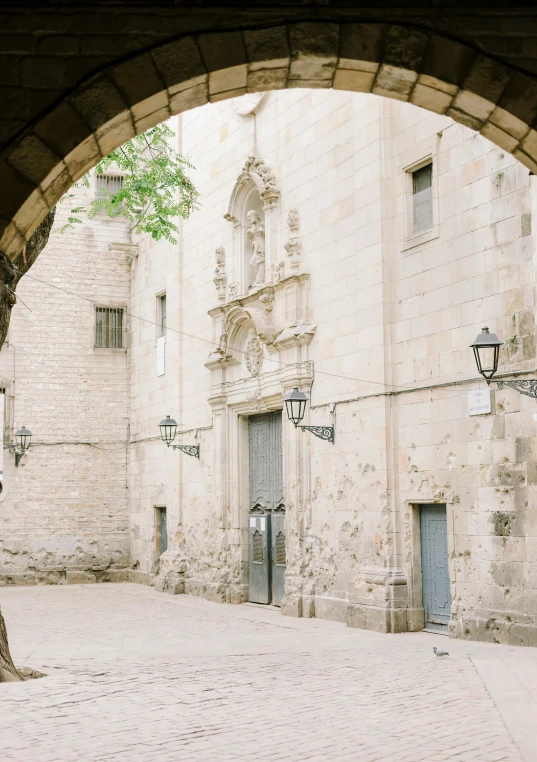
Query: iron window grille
(107, 186)
(108, 328)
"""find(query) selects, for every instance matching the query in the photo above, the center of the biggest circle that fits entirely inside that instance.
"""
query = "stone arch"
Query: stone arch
(403, 62)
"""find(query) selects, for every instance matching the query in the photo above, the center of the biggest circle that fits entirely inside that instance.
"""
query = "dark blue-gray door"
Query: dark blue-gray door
(434, 565)
(267, 510)
(163, 531)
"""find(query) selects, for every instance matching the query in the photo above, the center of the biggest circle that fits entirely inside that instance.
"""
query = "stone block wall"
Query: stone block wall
(64, 510)
(394, 317)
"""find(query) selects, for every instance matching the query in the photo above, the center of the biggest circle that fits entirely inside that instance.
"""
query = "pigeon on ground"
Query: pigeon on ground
(440, 653)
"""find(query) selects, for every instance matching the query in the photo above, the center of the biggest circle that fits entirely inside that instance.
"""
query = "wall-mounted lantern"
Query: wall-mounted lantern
(168, 430)
(23, 439)
(295, 403)
(487, 351)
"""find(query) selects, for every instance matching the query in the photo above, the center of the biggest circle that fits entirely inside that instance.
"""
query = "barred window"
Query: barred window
(108, 328)
(108, 185)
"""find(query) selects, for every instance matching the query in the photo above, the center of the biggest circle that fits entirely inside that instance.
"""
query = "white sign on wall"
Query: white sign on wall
(161, 344)
(479, 402)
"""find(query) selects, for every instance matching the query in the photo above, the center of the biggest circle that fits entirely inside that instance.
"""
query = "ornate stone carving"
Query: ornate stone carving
(254, 355)
(267, 300)
(293, 247)
(219, 359)
(279, 272)
(261, 169)
(220, 278)
(293, 219)
(295, 335)
(257, 235)
(233, 291)
(220, 256)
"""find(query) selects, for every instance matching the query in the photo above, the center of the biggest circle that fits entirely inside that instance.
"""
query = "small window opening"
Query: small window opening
(108, 328)
(108, 186)
(422, 199)
(161, 309)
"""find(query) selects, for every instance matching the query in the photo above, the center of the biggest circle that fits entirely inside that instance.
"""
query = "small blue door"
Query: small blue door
(434, 565)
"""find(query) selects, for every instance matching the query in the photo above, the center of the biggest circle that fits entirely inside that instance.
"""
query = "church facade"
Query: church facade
(350, 248)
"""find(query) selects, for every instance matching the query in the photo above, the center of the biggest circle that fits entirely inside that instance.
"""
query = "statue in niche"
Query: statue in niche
(257, 235)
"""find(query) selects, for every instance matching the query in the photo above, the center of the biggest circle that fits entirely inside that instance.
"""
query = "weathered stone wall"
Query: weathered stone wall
(394, 319)
(64, 510)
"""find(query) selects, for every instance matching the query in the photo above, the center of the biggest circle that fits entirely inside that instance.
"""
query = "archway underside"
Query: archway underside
(425, 69)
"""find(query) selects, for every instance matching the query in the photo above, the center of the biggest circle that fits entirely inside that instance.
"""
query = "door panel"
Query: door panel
(278, 557)
(434, 563)
(163, 531)
(266, 546)
(266, 461)
(259, 557)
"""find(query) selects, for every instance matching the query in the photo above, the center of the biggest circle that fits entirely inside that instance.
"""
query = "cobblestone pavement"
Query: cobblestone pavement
(137, 675)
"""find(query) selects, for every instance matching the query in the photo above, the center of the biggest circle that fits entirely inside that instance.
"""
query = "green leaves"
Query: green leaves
(155, 189)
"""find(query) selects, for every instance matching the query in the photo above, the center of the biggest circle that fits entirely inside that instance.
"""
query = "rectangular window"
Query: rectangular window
(161, 315)
(108, 185)
(422, 199)
(108, 328)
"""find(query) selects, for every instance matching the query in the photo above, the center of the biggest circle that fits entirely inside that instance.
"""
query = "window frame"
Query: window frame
(122, 331)
(412, 161)
(158, 315)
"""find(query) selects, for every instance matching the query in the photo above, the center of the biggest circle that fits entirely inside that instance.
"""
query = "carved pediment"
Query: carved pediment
(258, 172)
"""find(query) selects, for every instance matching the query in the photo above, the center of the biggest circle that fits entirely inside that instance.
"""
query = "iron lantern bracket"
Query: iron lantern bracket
(323, 432)
(193, 450)
(524, 386)
(17, 453)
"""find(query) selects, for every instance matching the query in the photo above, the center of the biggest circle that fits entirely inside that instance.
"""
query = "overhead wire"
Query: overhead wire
(215, 345)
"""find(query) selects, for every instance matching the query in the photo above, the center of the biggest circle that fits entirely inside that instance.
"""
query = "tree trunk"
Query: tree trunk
(10, 274)
(8, 671)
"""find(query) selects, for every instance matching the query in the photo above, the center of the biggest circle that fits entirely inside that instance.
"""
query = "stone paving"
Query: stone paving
(138, 675)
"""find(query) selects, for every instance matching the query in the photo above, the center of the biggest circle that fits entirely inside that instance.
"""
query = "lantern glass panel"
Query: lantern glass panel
(295, 404)
(23, 438)
(487, 352)
(168, 428)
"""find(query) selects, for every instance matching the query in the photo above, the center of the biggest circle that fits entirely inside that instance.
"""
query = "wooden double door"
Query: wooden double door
(266, 524)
